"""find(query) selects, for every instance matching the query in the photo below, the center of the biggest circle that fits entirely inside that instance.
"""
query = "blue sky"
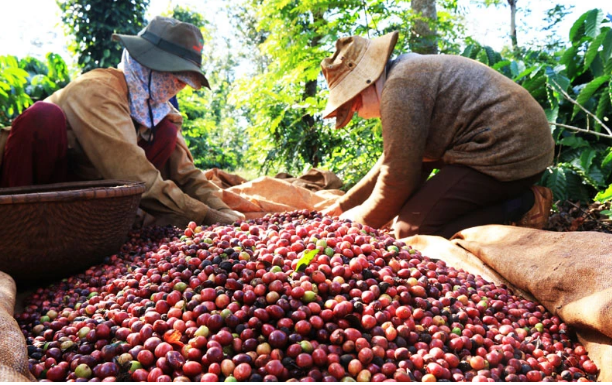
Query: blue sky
(32, 27)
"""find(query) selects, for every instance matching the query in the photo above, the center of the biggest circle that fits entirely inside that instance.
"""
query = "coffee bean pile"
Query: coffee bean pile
(290, 297)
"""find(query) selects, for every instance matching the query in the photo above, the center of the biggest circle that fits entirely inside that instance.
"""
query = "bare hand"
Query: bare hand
(333, 211)
(352, 214)
(224, 216)
(237, 215)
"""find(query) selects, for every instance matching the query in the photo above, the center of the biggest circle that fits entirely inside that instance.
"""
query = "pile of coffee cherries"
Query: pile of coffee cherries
(225, 303)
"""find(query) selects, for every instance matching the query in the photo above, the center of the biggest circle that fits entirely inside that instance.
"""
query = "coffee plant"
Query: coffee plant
(268, 120)
(45, 78)
(91, 24)
(211, 127)
(283, 98)
(26, 81)
(13, 97)
(575, 89)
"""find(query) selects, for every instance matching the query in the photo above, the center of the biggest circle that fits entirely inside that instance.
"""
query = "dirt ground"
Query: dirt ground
(572, 216)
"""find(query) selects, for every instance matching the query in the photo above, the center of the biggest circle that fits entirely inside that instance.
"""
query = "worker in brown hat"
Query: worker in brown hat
(117, 123)
(487, 136)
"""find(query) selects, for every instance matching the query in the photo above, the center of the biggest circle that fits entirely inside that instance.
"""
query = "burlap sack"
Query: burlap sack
(436, 247)
(315, 190)
(315, 180)
(568, 273)
(267, 195)
(222, 178)
(13, 352)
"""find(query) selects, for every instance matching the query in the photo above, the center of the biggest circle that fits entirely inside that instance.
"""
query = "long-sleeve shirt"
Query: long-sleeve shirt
(455, 110)
(103, 144)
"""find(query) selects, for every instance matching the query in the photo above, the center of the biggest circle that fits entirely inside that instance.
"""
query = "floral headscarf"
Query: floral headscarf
(146, 103)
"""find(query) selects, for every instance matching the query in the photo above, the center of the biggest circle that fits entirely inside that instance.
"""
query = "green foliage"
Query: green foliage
(13, 97)
(210, 125)
(605, 196)
(269, 119)
(554, 16)
(210, 129)
(92, 23)
(45, 79)
(25, 81)
(306, 258)
(581, 72)
(352, 163)
(283, 99)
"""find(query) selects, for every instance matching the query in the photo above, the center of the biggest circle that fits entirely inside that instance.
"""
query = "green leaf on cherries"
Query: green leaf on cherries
(306, 259)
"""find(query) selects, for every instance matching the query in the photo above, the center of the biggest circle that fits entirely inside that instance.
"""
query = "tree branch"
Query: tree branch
(582, 108)
(581, 130)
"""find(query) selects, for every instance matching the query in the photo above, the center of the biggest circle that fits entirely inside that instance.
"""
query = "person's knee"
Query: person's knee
(41, 118)
(403, 229)
(50, 110)
(166, 129)
(43, 111)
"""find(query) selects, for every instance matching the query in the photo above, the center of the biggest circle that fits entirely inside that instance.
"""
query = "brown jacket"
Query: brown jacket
(455, 110)
(103, 144)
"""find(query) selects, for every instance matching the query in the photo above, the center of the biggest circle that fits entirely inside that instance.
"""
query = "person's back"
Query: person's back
(100, 91)
(477, 116)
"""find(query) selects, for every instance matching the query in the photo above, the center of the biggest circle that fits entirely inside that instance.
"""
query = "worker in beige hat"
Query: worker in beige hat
(117, 123)
(487, 136)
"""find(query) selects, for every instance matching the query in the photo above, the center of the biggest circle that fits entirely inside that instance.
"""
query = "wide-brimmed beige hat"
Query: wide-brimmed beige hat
(355, 65)
(167, 45)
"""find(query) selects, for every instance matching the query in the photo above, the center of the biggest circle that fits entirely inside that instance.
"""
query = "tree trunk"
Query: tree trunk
(512, 4)
(424, 37)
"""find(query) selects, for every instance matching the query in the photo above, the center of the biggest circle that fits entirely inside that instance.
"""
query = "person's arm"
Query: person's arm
(405, 110)
(100, 118)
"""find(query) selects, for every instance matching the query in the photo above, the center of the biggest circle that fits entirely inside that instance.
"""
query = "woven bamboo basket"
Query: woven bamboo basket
(50, 231)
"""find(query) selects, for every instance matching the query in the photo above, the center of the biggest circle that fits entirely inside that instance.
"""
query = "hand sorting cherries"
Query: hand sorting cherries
(292, 296)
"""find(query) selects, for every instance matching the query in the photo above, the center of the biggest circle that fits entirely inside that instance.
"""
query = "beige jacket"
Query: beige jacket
(455, 110)
(103, 144)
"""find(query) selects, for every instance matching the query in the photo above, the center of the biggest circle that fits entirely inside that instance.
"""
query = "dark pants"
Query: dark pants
(159, 150)
(459, 197)
(36, 149)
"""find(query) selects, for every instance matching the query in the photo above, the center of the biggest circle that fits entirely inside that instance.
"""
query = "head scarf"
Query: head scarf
(149, 91)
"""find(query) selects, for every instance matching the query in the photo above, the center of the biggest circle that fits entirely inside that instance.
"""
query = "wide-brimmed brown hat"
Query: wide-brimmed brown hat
(167, 45)
(355, 65)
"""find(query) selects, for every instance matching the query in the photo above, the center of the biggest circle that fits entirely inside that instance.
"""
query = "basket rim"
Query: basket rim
(86, 190)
